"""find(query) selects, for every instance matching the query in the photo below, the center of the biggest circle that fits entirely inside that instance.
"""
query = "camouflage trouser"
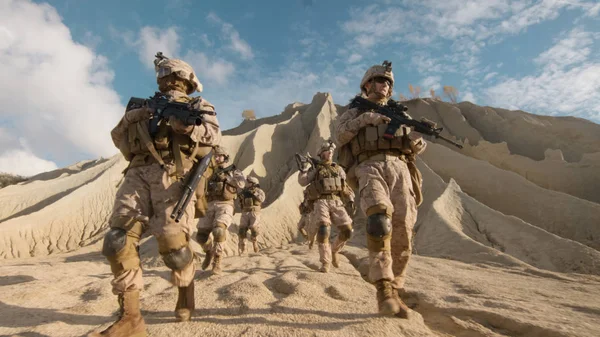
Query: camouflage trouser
(385, 186)
(249, 221)
(144, 202)
(218, 214)
(325, 213)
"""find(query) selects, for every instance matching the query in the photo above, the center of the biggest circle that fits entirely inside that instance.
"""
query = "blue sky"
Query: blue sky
(75, 63)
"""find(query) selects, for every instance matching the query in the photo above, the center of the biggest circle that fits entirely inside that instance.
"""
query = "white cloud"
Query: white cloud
(59, 97)
(354, 58)
(24, 163)
(207, 42)
(236, 43)
(593, 10)
(431, 82)
(573, 49)
(153, 39)
(208, 69)
(468, 96)
(489, 76)
(425, 63)
(566, 83)
(468, 25)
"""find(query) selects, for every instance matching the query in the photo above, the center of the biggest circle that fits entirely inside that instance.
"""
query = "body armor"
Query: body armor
(218, 188)
(248, 201)
(327, 183)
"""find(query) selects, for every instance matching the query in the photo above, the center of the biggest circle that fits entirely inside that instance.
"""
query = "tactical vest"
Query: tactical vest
(218, 189)
(248, 201)
(369, 142)
(327, 183)
(166, 147)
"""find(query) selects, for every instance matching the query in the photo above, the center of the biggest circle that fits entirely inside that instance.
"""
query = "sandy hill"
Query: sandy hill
(507, 240)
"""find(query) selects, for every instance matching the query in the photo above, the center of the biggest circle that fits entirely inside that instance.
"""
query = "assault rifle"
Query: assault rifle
(301, 160)
(189, 189)
(397, 113)
(163, 109)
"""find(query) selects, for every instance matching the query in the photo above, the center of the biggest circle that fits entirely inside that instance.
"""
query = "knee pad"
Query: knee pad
(323, 233)
(120, 251)
(379, 231)
(379, 225)
(114, 242)
(253, 233)
(178, 259)
(242, 232)
(345, 233)
(220, 233)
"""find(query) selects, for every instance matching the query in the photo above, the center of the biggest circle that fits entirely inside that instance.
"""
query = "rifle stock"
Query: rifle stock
(189, 189)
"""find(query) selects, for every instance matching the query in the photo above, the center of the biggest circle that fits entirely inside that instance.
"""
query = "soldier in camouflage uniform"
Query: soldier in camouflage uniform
(380, 168)
(327, 187)
(304, 227)
(222, 189)
(251, 199)
(152, 185)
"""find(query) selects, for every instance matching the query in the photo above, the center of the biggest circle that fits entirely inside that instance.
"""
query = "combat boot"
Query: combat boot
(255, 246)
(130, 323)
(324, 268)
(185, 303)
(334, 260)
(402, 307)
(216, 267)
(241, 249)
(207, 260)
(387, 301)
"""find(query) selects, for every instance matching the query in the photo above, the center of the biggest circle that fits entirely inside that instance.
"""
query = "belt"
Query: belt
(381, 155)
(329, 196)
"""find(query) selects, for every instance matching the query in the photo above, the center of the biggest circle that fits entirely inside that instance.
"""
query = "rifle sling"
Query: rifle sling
(147, 140)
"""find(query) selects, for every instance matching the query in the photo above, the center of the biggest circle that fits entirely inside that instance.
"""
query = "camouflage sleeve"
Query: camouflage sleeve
(348, 126)
(209, 133)
(259, 195)
(305, 178)
(236, 179)
(341, 172)
(119, 132)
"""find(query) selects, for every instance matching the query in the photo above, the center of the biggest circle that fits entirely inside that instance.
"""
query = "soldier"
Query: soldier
(222, 190)
(327, 185)
(251, 199)
(380, 168)
(152, 185)
(304, 226)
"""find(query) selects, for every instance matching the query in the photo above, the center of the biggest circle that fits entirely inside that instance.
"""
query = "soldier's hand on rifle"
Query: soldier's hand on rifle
(374, 118)
(137, 115)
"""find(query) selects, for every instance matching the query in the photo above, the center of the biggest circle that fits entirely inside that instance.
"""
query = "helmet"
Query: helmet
(252, 180)
(384, 70)
(165, 66)
(219, 150)
(327, 145)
